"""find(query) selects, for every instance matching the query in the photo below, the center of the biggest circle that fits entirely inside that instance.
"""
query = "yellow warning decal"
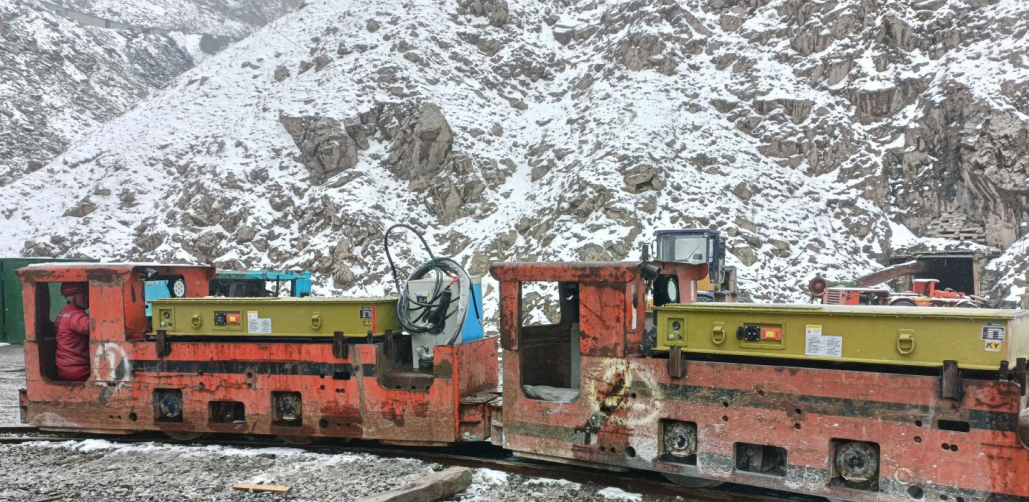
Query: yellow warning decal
(992, 346)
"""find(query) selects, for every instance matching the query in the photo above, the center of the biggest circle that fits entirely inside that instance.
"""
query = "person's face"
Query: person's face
(82, 300)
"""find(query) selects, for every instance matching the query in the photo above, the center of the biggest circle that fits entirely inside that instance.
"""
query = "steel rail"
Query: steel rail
(475, 456)
(18, 429)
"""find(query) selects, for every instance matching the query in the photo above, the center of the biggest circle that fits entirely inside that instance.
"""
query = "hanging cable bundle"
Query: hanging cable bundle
(428, 313)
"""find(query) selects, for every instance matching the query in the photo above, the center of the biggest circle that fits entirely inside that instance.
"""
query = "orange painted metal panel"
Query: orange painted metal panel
(623, 402)
(928, 446)
(361, 395)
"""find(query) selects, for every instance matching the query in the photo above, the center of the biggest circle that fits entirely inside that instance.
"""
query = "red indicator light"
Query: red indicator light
(232, 318)
(771, 334)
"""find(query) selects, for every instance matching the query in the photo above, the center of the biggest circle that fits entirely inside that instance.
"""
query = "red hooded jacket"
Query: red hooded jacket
(72, 325)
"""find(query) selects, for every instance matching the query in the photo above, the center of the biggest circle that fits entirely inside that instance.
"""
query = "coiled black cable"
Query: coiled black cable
(431, 314)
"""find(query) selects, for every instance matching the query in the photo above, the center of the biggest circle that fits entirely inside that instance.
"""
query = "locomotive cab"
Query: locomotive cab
(566, 377)
(117, 307)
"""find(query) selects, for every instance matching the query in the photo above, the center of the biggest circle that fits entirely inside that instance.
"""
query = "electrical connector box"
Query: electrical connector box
(423, 343)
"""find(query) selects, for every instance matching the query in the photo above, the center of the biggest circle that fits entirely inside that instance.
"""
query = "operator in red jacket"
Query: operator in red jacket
(73, 333)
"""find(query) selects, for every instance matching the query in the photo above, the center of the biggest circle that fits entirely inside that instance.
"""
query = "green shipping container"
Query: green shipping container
(12, 312)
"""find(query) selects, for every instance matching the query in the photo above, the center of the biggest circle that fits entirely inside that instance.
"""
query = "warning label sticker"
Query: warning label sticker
(991, 346)
(257, 325)
(816, 344)
(993, 332)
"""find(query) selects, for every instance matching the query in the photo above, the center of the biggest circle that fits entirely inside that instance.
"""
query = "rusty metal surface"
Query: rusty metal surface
(804, 413)
(340, 398)
(610, 272)
(612, 300)
(801, 410)
(346, 391)
(964, 446)
(676, 363)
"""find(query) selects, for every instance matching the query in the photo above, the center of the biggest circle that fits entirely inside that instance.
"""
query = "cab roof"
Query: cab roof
(76, 271)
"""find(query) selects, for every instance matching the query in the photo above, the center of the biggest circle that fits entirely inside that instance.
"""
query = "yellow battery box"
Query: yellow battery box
(979, 339)
(311, 317)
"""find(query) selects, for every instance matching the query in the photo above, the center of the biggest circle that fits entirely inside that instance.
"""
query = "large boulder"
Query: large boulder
(325, 148)
(643, 178)
(421, 146)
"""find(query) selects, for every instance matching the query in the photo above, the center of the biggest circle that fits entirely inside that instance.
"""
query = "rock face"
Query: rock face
(63, 79)
(325, 148)
(233, 18)
(47, 56)
(809, 132)
(421, 146)
(985, 175)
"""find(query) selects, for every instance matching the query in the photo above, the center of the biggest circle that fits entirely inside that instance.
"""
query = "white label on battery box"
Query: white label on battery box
(824, 346)
(257, 325)
(993, 332)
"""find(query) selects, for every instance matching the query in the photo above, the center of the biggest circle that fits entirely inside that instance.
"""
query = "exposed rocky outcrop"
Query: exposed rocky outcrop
(421, 146)
(977, 161)
(62, 79)
(325, 148)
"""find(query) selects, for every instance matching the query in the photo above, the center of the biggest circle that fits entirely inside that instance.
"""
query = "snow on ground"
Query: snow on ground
(228, 128)
(12, 378)
(235, 18)
(191, 44)
(60, 80)
(612, 493)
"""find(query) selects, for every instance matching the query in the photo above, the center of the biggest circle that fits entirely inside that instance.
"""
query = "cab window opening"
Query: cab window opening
(549, 341)
(62, 330)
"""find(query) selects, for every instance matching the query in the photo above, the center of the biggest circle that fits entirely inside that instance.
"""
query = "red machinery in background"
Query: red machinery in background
(860, 291)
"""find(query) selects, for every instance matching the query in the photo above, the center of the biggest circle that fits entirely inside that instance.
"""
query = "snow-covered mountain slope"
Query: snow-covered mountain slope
(59, 80)
(539, 131)
(236, 18)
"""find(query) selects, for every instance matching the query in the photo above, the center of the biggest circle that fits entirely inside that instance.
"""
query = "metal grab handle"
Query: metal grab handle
(316, 321)
(905, 343)
(196, 320)
(718, 334)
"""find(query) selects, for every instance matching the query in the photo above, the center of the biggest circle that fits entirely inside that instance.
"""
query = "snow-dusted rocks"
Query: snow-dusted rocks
(234, 18)
(58, 80)
(421, 146)
(325, 148)
(61, 79)
(561, 131)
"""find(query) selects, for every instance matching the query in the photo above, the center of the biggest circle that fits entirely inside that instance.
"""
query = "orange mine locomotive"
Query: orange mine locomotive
(295, 389)
(602, 380)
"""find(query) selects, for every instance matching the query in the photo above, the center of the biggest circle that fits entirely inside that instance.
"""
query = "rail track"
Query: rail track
(475, 456)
